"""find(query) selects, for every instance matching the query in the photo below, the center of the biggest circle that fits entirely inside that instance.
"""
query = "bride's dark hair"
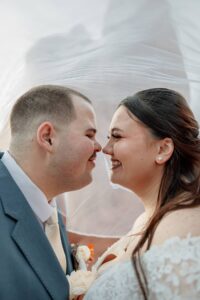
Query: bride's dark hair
(167, 114)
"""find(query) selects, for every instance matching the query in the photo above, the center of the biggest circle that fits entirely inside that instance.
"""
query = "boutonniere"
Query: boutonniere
(81, 279)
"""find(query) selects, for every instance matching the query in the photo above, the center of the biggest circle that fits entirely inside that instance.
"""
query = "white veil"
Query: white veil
(107, 50)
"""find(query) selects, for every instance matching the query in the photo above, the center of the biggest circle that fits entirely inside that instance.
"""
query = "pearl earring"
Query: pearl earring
(159, 158)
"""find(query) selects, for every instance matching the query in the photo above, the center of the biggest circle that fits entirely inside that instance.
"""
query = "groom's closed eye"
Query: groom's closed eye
(91, 136)
(90, 133)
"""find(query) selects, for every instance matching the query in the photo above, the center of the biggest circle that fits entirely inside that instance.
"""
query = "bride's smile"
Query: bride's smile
(133, 150)
(115, 164)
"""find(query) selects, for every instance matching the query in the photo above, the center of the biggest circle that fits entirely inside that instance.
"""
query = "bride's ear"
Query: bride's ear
(165, 150)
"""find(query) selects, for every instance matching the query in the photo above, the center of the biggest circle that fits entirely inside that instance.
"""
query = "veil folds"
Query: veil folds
(107, 50)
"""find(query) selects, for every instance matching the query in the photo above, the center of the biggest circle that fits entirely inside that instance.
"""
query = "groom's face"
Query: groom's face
(77, 148)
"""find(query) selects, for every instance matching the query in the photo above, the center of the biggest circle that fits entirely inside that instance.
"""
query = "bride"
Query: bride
(154, 148)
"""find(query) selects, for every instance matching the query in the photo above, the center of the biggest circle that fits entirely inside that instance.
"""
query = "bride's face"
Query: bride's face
(133, 151)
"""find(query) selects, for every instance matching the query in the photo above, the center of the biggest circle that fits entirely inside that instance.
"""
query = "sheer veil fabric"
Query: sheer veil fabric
(107, 50)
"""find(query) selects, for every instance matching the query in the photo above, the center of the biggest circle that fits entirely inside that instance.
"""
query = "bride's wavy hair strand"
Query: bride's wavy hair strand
(167, 114)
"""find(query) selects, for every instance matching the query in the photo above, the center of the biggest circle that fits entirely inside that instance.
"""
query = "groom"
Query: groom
(52, 150)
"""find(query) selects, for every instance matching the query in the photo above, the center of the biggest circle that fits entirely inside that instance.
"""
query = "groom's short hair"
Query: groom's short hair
(43, 103)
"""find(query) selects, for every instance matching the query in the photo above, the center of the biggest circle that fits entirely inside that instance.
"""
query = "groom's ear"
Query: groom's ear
(165, 150)
(45, 136)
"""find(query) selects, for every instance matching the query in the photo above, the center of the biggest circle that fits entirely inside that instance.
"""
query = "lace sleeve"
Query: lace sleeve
(116, 283)
(172, 271)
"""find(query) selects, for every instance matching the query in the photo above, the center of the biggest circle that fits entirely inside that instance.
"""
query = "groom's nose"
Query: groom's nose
(97, 147)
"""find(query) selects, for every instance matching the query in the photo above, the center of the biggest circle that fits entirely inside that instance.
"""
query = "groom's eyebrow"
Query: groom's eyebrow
(92, 130)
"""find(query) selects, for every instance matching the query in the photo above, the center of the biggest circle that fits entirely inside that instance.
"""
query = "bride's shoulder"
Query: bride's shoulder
(178, 223)
(138, 224)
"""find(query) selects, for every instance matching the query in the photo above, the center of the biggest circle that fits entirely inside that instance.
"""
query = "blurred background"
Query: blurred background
(107, 50)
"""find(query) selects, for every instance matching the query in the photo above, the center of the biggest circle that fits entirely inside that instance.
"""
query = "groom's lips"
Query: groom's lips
(92, 159)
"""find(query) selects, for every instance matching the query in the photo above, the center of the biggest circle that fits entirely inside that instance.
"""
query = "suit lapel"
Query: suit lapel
(30, 238)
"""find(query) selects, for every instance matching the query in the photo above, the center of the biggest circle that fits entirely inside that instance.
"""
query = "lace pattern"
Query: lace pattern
(172, 271)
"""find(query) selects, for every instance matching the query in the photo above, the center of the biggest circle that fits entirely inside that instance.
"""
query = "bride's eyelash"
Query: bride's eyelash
(115, 136)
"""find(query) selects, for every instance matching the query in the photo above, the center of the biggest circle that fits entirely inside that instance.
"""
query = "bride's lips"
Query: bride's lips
(115, 164)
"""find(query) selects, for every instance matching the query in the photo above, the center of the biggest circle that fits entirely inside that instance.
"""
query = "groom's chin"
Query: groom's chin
(87, 180)
(83, 182)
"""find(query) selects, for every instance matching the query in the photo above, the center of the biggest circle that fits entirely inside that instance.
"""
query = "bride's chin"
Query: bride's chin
(114, 179)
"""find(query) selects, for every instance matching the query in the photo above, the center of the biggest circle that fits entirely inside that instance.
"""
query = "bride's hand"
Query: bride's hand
(79, 282)
(80, 297)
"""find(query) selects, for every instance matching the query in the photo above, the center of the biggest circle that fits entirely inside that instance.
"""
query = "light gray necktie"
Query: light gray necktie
(53, 234)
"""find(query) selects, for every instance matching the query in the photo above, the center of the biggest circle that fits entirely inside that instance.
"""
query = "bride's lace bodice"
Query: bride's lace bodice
(172, 271)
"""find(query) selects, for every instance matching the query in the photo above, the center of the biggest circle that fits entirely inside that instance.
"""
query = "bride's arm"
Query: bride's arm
(173, 269)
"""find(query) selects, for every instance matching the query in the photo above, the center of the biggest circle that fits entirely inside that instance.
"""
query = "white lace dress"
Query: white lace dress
(172, 271)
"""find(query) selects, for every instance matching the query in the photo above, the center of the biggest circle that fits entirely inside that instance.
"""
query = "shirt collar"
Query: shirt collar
(34, 196)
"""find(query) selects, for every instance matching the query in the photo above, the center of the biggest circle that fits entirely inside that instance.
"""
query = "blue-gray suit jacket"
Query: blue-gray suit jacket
(29, 269)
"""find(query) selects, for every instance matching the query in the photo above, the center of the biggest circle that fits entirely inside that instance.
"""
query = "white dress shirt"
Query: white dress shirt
(34, 196)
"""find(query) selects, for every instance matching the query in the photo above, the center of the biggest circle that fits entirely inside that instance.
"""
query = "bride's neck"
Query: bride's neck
(149, 200)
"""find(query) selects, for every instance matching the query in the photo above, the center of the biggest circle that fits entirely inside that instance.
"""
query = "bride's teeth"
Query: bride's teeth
(115, 164)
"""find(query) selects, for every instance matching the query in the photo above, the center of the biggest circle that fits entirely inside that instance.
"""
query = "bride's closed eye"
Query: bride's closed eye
(114, 136)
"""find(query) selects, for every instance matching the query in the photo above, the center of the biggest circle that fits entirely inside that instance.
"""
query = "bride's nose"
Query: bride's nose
(107, 149)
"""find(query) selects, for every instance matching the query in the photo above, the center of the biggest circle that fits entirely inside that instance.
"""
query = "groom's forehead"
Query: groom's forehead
(85, 118)
(81, 105)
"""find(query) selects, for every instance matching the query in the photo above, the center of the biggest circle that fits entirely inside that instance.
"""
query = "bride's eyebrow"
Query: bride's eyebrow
(115, 129)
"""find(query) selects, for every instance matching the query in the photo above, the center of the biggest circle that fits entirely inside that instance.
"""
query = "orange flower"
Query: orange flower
(91, 248)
